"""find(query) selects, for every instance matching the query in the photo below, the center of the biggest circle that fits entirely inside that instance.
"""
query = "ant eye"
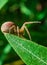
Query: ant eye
(5, 26)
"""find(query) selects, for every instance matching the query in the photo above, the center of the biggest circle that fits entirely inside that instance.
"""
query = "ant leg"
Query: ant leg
(31, 22)
(15, 29)
(28, 32)
(18, 30)
(12, 28)
(22, 28)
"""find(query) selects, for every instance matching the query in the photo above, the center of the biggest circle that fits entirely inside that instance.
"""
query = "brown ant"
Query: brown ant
(10, 27)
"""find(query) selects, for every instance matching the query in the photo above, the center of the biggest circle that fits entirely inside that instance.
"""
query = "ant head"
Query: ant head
(5, 26)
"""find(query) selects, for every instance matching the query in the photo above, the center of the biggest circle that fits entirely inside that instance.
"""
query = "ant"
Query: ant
(10, 27)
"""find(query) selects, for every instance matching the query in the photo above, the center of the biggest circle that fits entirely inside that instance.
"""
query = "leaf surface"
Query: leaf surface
(2, 3)
(30, 52)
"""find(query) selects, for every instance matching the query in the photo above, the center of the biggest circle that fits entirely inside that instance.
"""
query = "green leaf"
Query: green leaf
(25, 10)
(30, 52)
(2, 3)
(41, 15)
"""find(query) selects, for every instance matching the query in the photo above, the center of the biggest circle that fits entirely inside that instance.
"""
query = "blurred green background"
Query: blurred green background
(20, 11)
